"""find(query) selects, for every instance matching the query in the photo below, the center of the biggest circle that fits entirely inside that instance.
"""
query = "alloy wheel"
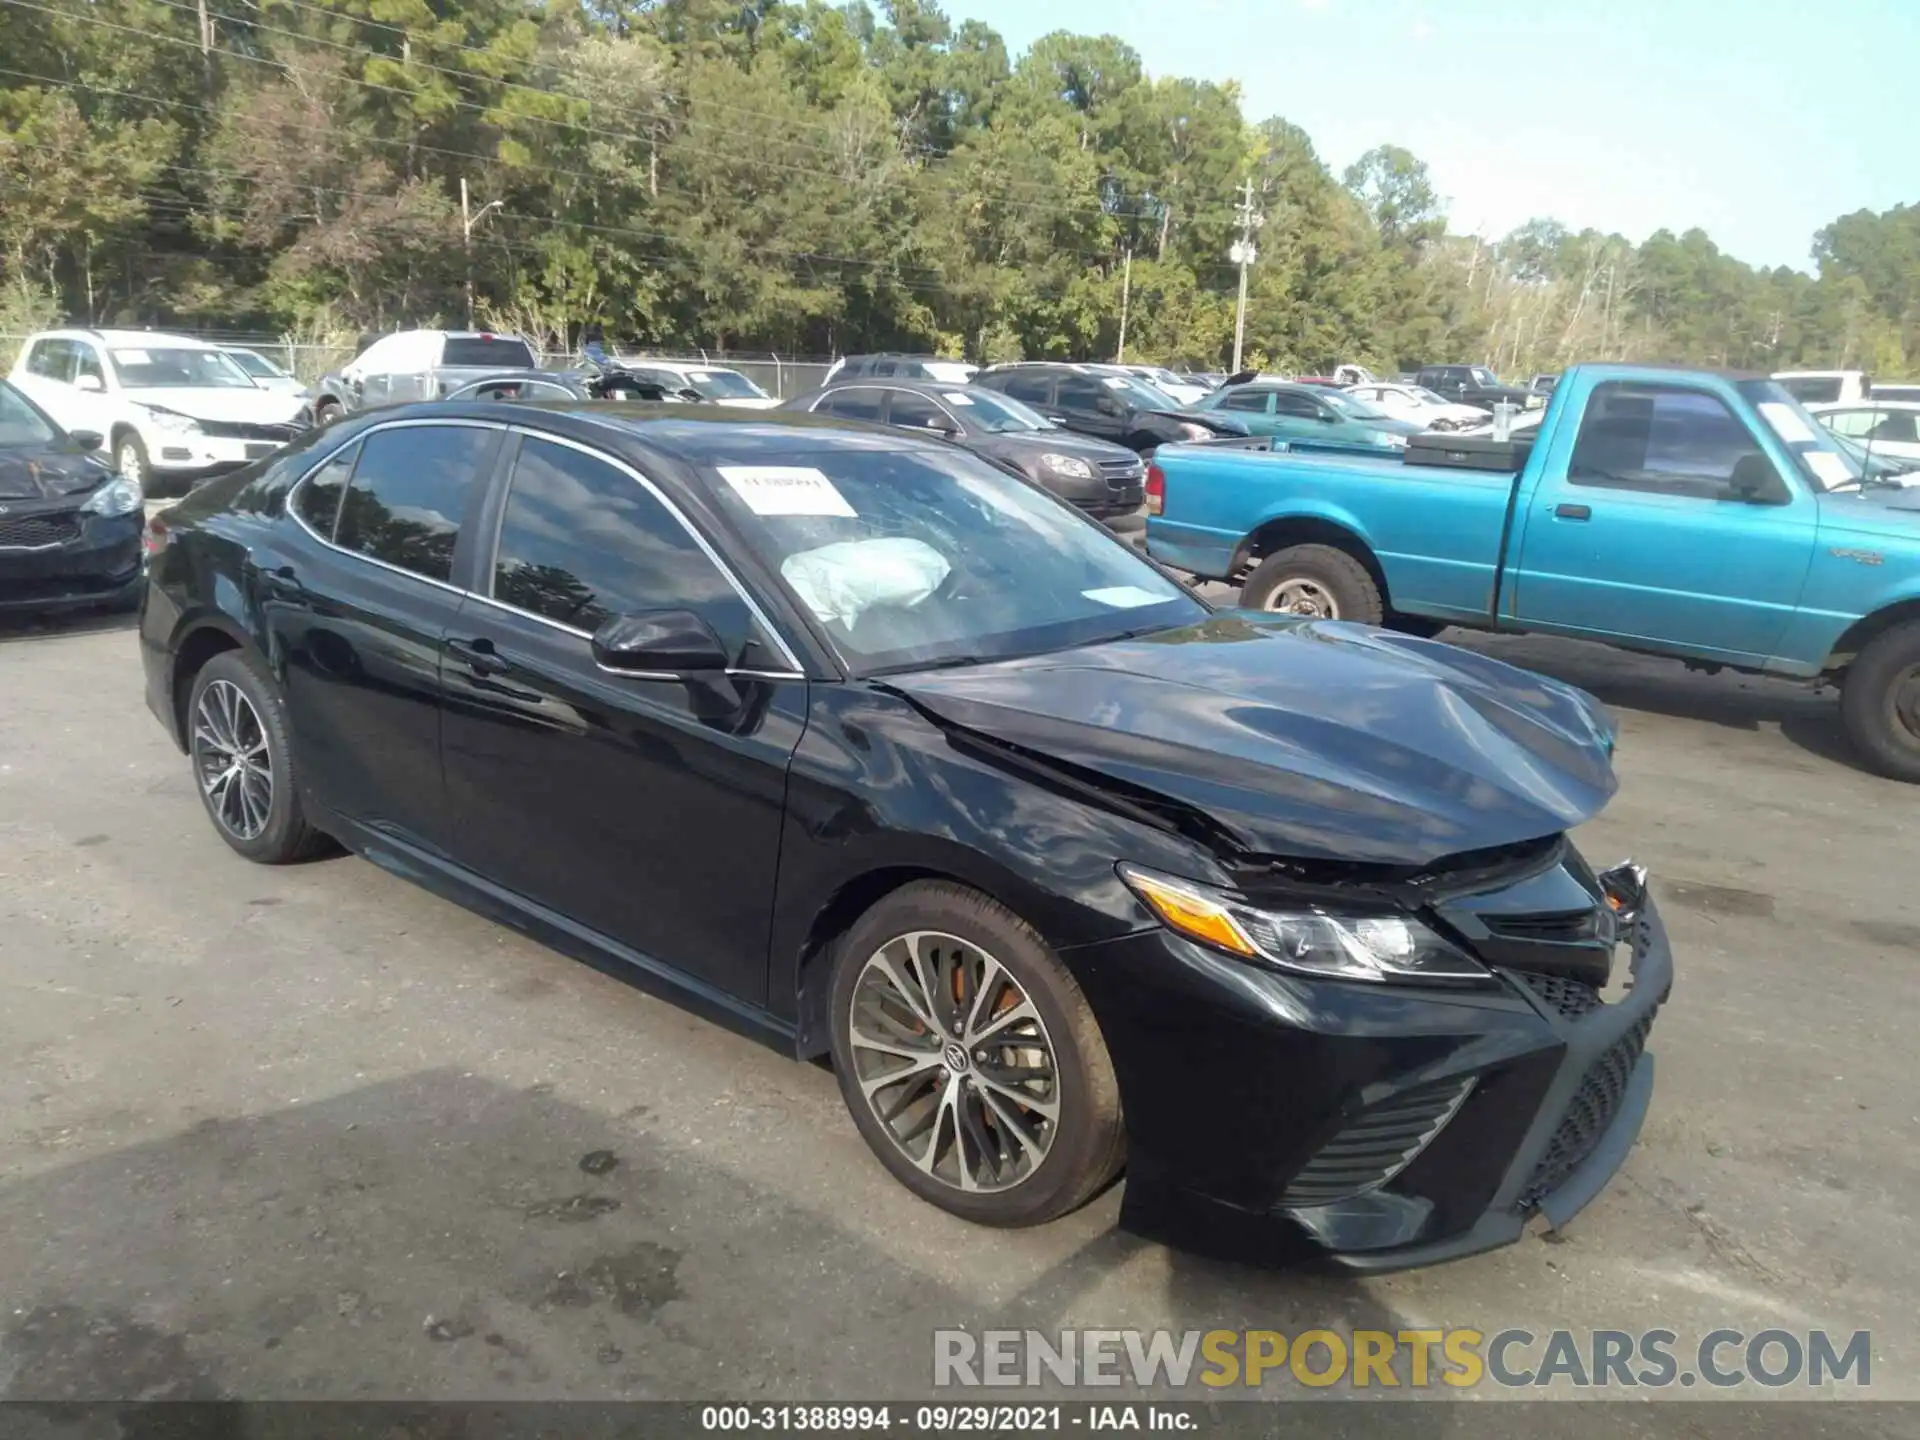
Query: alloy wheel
(1299, 596)
(955, 1062)
(1905, 695)
(231, 758)
(127, 461)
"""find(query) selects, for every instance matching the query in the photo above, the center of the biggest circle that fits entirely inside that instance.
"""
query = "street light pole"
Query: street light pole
(469, 219)
(1244, 253)
(1126, 293)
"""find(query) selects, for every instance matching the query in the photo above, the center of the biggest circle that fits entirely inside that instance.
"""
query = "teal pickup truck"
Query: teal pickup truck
(1696, 514)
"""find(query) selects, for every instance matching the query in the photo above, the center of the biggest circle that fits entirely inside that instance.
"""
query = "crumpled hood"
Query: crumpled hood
(251, 406)
(1305, 739)
(39, 472)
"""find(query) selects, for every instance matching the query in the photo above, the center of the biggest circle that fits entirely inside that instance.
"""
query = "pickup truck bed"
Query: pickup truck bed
(1684, 513)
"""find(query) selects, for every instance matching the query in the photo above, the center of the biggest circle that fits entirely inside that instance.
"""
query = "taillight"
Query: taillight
(1156, 490)
(153, 537)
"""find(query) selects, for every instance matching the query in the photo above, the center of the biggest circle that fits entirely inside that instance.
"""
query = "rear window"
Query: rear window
(492, 351)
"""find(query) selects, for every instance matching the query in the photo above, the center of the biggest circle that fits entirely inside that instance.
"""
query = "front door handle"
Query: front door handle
(479, 656)
(1574, 512)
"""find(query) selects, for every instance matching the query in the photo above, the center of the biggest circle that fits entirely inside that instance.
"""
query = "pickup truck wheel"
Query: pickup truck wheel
(326, 412)
(1317, 581)
(1880, 703)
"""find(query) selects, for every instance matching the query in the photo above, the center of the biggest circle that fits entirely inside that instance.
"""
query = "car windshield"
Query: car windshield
(724, 385)
(1348, 406)
(1828, 460)
(257, 366)
(910, 558)
(1426, 396)
(154, 367)
(21, 426)
(996, 413)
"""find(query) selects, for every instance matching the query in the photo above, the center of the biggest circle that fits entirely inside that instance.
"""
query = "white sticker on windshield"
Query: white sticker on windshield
(1828, 467)
(133, 357)
(1114, 382)
(699, 376)
(786, 490)
(953, 397)
(1786, 422)
(1123, 597)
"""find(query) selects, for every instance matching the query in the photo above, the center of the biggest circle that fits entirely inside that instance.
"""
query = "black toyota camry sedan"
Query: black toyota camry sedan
(69, 526)
(852, 741)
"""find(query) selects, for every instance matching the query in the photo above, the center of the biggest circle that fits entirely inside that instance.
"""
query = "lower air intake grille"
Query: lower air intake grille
(38, 532)
(1587, 1118)
(1567, 997)
(1377, 1144)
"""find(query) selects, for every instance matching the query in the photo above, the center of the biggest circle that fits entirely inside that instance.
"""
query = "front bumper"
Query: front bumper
(100, 565)
(196, 454)
(1246, 1090)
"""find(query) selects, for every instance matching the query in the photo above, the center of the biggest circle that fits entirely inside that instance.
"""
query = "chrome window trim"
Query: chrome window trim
(746, 596)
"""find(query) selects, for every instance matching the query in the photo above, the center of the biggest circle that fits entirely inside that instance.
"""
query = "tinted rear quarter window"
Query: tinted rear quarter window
(474, 350)
(583, 541)
(1257, 401)
(410, 494)
(863, 404)
(317, 501)
(1034, 389)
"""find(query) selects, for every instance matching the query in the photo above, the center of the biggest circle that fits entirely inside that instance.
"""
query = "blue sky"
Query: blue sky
(1757, 120)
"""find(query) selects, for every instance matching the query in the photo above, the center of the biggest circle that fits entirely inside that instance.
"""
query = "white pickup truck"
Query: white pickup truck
(416, 365)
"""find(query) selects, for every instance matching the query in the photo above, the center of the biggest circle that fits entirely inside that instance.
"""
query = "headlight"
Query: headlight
(1308, 941)
(116, 497)
(172, 421)
(1191, 431)
(1068, 465)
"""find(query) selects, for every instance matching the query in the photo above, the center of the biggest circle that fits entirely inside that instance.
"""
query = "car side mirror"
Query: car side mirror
(1754, 481)
(662, 643)
(943, 430)
(91, 384)
(86, 439)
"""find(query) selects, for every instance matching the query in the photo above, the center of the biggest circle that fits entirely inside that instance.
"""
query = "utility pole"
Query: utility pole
(1243, 253)
(468, 219)
(1126, 294)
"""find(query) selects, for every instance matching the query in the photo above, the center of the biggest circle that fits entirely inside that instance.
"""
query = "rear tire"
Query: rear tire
(962, 956)
(243, 764)
(326, 412)
(1315, 581)
(1880, 703)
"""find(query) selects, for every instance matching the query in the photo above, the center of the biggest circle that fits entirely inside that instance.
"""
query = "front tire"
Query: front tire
(243, 762)
(970, 1060)
(1880, 703)
(130, 459)
(1316, 582)
(326, 412)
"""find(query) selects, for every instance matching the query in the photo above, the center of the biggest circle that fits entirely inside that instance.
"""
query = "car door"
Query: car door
(1298, 416)
(359, 617)
(647, 810)
(1665, 518)
(1081, 403)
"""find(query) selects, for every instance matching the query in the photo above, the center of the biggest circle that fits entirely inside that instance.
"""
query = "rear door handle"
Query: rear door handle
(1574, 512)
(479, 656)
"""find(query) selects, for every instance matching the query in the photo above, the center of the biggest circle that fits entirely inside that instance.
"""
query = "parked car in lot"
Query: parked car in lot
(1183, 392)
(1825, 387)
(1103, 404)
(69, 526)
(168, 407)
(1101, 479)
(1307, 416)
(1419, 406)
(901, 367)
(1476, 385)
(858, 744)
(1896, 390)
(608, 384)
(262, 371)
(712, 384)
(1889, 429)
(1686, 513)
(416, 365)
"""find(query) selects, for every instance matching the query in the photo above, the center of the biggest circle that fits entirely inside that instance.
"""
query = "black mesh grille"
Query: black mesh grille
(1377, 1144)
(1569, 998)
(1587, 1118)
(1566, 925)
(1122, 469)
(35, 532)
(241, 430)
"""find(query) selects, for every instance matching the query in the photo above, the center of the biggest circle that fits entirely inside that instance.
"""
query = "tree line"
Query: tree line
(803, 177)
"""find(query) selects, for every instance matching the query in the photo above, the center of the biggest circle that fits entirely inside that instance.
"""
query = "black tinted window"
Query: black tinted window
(488, 350)
(1034, 389)
(1671, 441)
(1251, 400)
(410, 493)
(1303, 407)
(854, 405)
(583, 541)
(1079, 393)
(317, 501)
(916, 412)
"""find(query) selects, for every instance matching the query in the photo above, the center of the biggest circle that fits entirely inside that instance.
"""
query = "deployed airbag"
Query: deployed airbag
(842, 581)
